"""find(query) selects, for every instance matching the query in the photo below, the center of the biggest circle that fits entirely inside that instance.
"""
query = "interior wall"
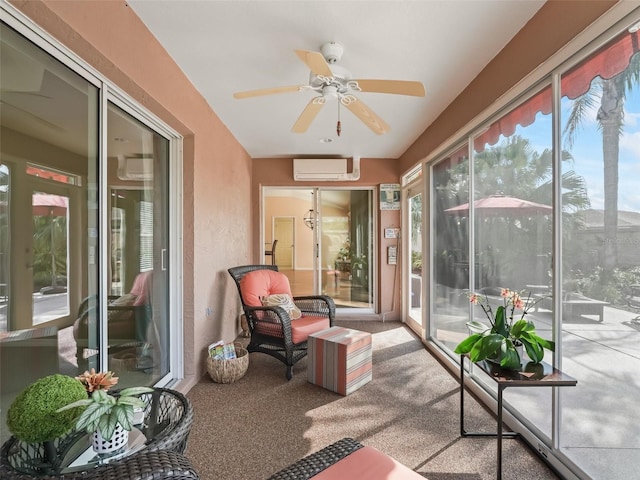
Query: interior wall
(552, 27)
(217, 231)
(291, 207)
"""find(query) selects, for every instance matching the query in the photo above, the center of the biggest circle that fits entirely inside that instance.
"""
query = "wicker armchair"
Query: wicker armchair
(272, 330)
(347, 459)
(315, 463)
(145, 465)
(168, 418)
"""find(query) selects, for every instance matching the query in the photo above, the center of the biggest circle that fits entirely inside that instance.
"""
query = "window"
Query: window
(494, 225)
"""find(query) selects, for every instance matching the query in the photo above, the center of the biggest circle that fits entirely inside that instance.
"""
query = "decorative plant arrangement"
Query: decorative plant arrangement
(97, 381)
(32, 415)
(105, 415)
(507, 332)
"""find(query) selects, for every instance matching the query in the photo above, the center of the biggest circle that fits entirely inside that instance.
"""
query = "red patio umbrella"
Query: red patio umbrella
(45, 204)
(502, 206)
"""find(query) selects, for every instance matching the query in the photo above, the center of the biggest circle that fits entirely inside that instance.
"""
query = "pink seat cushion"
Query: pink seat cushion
(305, 326)
(367, 463)
(141, 288)
(300, 328)
(261, 283)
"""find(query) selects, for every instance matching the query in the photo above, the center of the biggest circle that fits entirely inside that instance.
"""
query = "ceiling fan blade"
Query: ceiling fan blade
(316, 62)
(307, 116)
(370, 119)
(266, 91)
(399, 87)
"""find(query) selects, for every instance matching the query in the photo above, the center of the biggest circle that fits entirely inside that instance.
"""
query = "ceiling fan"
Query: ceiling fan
(331, 81)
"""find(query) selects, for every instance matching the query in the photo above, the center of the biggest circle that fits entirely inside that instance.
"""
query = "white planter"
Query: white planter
(118, 440)
(138, 415)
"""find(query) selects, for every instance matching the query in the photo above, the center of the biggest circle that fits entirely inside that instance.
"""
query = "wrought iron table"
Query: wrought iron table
(529, 375)
(168, 417)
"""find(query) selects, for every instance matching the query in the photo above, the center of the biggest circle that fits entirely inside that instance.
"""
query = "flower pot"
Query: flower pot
(118, 440)
(138, 415)
(495, 359)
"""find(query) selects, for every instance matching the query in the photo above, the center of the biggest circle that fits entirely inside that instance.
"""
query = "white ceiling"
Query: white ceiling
(230, 46)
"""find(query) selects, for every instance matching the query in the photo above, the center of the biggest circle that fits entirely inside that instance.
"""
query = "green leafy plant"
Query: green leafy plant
(104, 412)
(506, 332)
(31, 417)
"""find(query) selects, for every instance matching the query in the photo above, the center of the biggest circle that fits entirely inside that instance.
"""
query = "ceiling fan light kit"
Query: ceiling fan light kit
(332, 81)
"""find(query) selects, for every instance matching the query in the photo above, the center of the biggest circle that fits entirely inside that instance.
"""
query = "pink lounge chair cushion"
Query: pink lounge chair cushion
(300, 328)
(141, 288)
(305, 326)
(262, 283)
(367, 463)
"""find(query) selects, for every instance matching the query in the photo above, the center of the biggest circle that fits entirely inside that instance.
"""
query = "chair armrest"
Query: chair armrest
(269, 315)
(322, 305)
(316, 462)
(147, 465)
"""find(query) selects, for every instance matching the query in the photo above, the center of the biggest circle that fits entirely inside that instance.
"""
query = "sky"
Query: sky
(587, 151)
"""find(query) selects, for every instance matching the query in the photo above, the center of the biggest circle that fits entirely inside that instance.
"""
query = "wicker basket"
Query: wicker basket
(228, 371)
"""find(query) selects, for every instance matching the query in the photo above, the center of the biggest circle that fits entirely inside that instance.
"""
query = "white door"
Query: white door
(283, 231)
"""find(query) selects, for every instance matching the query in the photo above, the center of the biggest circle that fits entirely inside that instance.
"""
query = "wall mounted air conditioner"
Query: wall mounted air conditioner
(135, 168)
(324, 169)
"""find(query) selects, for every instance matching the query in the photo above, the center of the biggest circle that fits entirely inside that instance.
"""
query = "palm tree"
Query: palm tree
(514, 168)
(610, 94)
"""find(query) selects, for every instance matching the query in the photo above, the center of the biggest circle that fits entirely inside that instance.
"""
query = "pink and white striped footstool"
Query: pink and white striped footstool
(339, 359)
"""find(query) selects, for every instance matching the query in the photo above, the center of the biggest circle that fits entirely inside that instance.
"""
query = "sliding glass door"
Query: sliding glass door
(332, 243)
(84, 232)
(414, 297)
(345, 237)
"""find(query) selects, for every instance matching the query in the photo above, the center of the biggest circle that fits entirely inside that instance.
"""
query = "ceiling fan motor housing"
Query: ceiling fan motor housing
(332, 52)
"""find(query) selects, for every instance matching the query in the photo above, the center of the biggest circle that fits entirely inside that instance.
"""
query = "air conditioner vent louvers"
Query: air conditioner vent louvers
(325, 169)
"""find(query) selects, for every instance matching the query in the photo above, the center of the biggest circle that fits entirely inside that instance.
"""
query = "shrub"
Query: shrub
(32, 416)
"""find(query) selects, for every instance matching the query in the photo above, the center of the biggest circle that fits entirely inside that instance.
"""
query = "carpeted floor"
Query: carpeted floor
(254, 427)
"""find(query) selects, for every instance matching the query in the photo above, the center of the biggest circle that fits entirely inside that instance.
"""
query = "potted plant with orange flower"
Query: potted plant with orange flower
(108, 417)
(507, 331)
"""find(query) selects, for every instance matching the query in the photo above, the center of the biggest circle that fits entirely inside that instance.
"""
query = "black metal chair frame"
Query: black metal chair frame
(280, 347)
(168, 420)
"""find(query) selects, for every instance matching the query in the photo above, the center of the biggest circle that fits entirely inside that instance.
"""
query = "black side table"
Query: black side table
(529, 375)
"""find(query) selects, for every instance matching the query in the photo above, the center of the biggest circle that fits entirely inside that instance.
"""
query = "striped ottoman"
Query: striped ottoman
(339, 359)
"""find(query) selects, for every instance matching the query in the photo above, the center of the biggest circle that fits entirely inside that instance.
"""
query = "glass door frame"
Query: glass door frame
(171, 258)
(316, 241)
(371, 265)
(417, 324)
